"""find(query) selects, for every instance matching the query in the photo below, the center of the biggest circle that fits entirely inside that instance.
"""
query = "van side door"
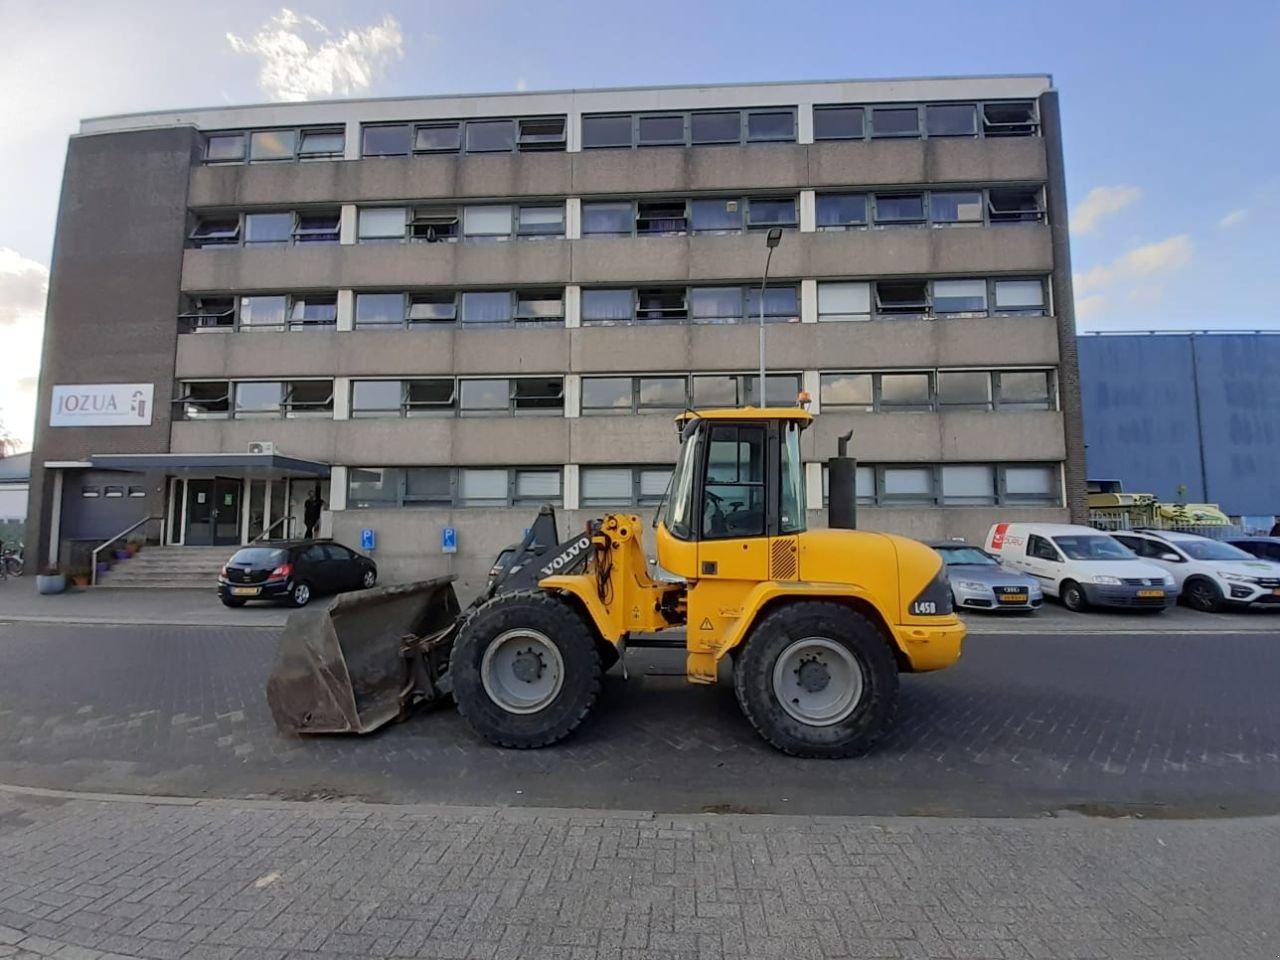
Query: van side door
(1044, 563)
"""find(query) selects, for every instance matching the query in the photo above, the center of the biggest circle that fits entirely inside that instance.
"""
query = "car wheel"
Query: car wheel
(1203, 595)
(1073, 597)
(232, 602)
(369, 579)
(300, 595)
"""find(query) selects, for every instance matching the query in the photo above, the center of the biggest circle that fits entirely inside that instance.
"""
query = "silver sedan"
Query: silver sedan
(979, 582)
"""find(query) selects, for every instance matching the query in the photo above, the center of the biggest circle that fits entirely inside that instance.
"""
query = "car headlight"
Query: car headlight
(1239, 578)
(973, 585)
(1168, 580)
(1109, 581)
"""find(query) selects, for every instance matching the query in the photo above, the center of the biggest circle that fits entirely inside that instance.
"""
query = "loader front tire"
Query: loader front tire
(817, 679)
(525, 670)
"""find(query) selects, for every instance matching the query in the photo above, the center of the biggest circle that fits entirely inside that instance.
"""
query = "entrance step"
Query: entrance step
(155, 567)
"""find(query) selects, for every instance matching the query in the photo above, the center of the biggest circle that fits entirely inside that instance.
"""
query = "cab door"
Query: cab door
(733, 528)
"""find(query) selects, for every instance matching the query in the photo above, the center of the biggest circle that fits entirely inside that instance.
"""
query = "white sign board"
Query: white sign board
(102, 405)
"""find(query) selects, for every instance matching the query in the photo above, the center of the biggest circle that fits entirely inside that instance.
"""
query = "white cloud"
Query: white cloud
(1100, 203)
(1233, 217)
(1089, 306)
(522, 85)
(301, 58)
(23, 286)
(1141, 262)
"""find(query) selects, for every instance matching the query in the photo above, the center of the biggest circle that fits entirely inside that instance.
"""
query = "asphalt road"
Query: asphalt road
(1178, 725)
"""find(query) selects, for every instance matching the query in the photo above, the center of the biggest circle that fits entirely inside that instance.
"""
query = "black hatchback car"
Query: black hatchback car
(293, 572)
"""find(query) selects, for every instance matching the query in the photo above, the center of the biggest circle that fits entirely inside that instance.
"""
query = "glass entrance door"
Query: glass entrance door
(213, 512)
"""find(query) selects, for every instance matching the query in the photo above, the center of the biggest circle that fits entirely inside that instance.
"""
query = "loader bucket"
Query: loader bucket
(342, 668)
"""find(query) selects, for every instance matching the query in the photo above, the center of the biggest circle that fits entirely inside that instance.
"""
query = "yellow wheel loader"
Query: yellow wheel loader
(816, 624)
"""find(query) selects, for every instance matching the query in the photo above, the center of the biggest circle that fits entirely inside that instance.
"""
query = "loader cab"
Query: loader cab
(737, 488)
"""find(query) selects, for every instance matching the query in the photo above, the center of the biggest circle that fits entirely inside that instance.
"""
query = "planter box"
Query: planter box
(123, 554)
(49, 584)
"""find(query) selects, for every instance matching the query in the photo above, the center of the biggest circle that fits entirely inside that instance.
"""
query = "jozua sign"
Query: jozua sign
(101, 405)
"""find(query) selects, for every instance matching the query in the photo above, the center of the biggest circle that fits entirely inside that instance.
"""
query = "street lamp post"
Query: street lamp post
(772, 239)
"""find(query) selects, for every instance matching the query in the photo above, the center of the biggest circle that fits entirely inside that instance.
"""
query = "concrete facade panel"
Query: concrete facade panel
(374, 266)
(648, 438)
(987, 437)
(637, 349)
(381, 179)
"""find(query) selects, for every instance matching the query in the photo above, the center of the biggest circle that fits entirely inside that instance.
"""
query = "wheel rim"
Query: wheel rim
(368, 578)
(522, 671)
(1072, 598)
(301, 594)
(818, 681)
(1201, 596)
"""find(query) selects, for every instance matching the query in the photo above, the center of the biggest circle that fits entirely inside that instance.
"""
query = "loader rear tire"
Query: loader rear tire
(525, 670)
(817, 679)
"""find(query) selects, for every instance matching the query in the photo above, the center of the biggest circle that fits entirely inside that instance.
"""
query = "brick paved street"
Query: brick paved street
(1181, 725)
(223, 880)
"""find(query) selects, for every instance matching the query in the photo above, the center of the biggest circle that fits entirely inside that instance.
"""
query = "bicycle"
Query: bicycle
(12, 562)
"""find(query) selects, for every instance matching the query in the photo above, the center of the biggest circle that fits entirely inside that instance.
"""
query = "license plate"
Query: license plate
(245, 591)
(1013, 598)
(1150, 594)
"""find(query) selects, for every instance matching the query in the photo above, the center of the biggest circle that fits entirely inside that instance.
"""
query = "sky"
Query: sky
(1171, 119)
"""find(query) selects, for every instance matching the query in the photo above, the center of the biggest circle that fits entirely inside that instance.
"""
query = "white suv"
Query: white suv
(1210, 573)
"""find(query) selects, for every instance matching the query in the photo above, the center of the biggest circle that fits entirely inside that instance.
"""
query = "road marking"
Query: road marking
(265, 881)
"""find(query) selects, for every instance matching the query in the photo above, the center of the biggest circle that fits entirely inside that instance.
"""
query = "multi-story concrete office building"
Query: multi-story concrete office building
(447, 310)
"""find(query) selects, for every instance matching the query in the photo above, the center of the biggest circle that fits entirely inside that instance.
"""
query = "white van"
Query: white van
(1081, 566)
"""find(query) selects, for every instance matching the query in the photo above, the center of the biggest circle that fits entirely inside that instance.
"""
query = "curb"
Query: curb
(133, 622)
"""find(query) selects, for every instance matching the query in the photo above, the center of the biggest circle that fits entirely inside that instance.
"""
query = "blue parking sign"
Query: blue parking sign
(449, 540)
(366, 538)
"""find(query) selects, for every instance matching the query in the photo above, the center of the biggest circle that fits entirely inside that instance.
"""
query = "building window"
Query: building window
(951, 120)
(398, 487)
(902, 298)
(838, 123)
(1015, 205)
(613, 218)
(712, 391)
(274, 146)
(317, 227)
(1031, 484)
(895, 122)
(898, 210)
(766, 212)
(1024, 390)
(1005, 390)
(277, 228)
(623, 486)
(308, 399)
(844, 301)
(960, 208)
(955, 484)
(515, 397)
(208, 313)
(964, 390)
(313, 312)
(268, 228)
(968, 484)
(381, 225)
(472, 136)
(841, 211)
(854, 391)
(435, 397)
(478, 308)
(610, 395)
(1019, 298)
(1011, 119)
(698, 304)
(604, 131)
(999, 119)
(258, 399)
(960, 298)
(203, 400)
(215, 231)
(696, 128)
(137, 493)
(905, 391)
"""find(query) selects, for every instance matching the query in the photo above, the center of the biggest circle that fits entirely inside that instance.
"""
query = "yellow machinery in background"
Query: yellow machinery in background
(817, 624)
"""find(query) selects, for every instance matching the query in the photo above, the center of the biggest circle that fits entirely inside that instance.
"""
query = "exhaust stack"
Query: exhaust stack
(842, 495)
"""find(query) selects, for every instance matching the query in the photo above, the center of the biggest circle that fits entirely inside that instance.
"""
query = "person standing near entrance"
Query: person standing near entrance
(311, 512)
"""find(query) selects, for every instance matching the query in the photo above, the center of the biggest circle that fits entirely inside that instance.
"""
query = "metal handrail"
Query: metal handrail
(263, 535)
(93, 557)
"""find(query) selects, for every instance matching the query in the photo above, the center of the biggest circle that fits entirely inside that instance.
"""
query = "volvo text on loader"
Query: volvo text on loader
(816, 624)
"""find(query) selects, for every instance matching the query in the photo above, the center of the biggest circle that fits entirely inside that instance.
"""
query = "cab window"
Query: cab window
(734, 505)
(1041, 549)
(792, 519)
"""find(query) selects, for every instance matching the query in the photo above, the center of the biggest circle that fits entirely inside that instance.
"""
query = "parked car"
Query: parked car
(1210, 574)
(1264, 548)
(293, 572)
(980, 582)
(1081, 566)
